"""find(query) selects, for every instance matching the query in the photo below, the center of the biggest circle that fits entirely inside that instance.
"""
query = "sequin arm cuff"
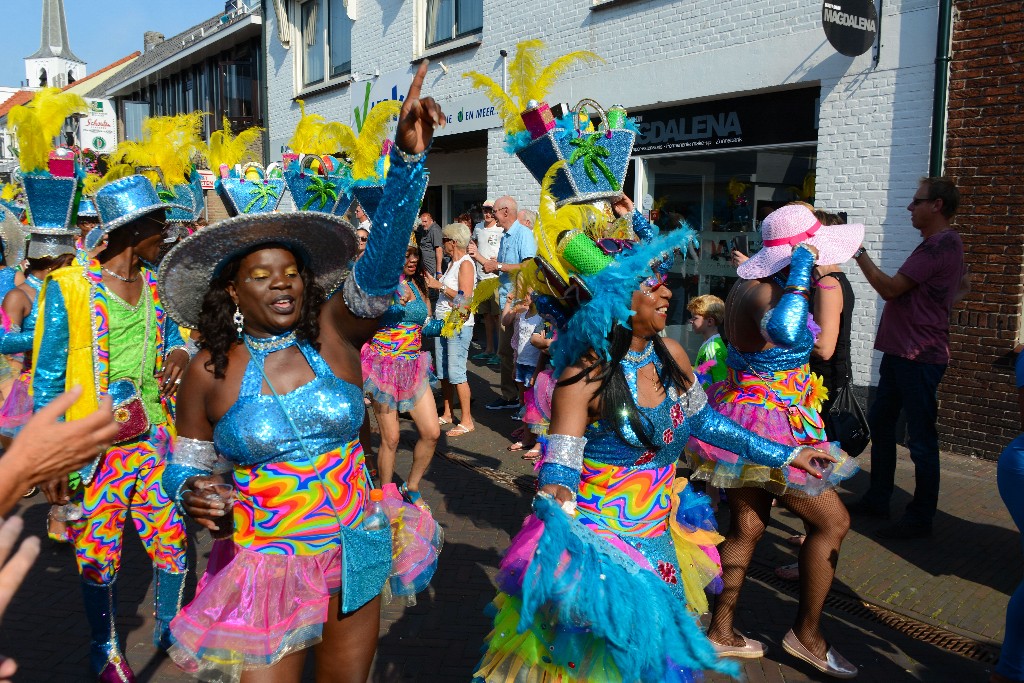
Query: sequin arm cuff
(376, 272)
(642, 227)
(361, 304)
(190, 458)
(15, 340)
(563, 460)
(784, 324)
(49, 367)
(710, 426)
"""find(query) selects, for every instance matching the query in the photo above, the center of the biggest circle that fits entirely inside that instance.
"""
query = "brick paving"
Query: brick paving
(959, 581)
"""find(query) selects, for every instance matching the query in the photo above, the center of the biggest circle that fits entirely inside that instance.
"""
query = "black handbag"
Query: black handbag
(846, 423)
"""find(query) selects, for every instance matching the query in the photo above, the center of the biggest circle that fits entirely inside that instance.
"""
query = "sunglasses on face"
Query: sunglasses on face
(612, 246)
(917, 200)
(652, 283)
(362, 239)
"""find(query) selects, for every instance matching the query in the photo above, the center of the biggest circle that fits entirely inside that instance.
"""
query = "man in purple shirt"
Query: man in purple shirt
(913, 336)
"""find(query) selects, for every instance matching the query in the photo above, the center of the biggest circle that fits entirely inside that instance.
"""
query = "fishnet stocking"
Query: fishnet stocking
(827, 523)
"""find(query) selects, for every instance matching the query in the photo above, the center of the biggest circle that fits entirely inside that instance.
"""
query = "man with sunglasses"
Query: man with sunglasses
(517, 246)
(913, 336)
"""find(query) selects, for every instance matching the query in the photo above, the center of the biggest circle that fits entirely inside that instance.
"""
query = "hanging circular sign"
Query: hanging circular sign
(850, 25)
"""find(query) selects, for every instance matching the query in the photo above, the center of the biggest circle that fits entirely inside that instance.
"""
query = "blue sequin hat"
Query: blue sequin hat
(244, 195)
(595, 159)
(323, 191)
(51, 202)
(124, 201)
(323, 242)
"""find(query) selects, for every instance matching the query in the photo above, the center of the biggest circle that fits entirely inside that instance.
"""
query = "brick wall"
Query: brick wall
(985, 154)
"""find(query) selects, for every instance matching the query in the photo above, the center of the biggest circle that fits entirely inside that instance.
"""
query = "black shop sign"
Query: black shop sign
(769, 119)
(850, 25)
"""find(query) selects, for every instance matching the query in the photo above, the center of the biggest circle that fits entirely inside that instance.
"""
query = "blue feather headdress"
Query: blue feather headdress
(595, 298)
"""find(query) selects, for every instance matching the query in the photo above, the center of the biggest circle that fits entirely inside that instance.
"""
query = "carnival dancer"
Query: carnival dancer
(612, 594)
(103, 326)
(276, 392)
(770, 390)
(397, 372)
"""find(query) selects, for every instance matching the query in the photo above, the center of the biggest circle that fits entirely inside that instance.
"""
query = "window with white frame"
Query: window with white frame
(325, 50)
(452, 19)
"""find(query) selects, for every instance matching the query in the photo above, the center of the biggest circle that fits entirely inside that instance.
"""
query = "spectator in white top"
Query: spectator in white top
(483, 248)
(364, 220)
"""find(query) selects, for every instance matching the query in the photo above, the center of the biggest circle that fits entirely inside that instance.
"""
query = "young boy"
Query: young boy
(708, 313)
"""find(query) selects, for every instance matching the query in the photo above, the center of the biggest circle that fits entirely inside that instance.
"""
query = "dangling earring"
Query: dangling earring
(239, 320)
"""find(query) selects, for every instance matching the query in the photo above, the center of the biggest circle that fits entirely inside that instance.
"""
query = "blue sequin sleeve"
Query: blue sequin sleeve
(376, 273)
(563, 460)
(558, 474)
(172, 336)
(643, 228)
(16, 340)
(710, 426)
(50, 365)
(787, 322)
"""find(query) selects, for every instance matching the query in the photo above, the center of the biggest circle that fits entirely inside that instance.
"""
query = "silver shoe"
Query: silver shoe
(834, 664)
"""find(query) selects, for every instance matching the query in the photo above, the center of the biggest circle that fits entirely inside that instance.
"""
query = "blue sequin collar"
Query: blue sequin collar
(34, 282)
(264, 346)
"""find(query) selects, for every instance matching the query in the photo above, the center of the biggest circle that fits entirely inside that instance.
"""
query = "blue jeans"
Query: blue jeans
(450, 356)
(1010, 476)
(909, 386)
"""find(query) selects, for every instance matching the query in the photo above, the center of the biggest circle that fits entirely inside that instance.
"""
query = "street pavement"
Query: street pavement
(947, 592)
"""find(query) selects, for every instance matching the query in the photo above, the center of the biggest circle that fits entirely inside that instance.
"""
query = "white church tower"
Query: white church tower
(53, 64)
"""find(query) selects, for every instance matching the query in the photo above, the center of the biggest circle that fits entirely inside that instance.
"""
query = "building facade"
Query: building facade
(978, 408)
(744, 90)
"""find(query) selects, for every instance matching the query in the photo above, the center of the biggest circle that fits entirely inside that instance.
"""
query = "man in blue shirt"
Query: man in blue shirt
(517, 246)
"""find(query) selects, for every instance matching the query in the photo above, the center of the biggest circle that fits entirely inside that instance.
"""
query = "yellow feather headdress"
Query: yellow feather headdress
(37, 123)
(171, 143)
(226, 149)
(526, 81)
(315, 135)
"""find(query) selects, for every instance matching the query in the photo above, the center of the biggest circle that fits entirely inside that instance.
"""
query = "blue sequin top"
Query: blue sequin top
(665, 424)
(414, 312)
(327, 412)
(7, 276)
(20, 340)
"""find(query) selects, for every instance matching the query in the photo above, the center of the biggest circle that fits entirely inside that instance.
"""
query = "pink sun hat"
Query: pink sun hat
(791, 225)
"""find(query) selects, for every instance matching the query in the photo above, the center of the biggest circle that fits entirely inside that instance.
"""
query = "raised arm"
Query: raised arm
(784, 324)
(368, 292)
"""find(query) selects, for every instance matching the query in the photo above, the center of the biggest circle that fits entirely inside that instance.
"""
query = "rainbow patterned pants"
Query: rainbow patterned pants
(128, 480)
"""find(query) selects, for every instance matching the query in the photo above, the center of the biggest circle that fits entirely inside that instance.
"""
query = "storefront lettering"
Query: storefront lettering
(836, 15)
(700, 127)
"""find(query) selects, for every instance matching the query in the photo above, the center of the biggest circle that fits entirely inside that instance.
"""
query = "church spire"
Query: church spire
(54, 41)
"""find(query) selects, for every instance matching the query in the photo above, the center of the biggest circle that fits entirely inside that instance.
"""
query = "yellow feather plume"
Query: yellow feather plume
(314, 135)
(9, 192)
(37, 123)
(367, 148)
(483, 291)
(507, 109)
(171, 143)
(526, 80)
(227, 149)
(94, 182)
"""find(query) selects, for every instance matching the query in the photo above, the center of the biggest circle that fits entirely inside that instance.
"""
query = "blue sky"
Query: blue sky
(100, 32)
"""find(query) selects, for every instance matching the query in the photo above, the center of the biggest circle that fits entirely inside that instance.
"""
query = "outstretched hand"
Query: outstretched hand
(419, 116)
(12, 573)
(805, 460)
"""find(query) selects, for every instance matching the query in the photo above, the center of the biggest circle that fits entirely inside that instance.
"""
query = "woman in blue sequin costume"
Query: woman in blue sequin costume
(275, 396)
(612, 594)
(771, 390)
(396, 374)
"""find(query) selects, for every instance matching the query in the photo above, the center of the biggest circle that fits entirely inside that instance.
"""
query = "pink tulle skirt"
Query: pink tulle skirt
(17, 408)
(396, 372)
(538, 402)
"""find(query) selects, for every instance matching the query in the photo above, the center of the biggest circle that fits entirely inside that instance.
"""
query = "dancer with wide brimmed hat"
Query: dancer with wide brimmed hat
(771, 390)
(275, 398)
(103, 326)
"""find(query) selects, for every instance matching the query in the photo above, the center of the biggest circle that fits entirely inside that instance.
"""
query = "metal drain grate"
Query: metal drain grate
(918, 630)
(985, 653)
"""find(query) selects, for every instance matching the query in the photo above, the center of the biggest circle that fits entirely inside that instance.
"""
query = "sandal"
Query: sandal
(442, 422)
(460, 430)
(797, 540)
(413, 497)
(834, 663)
(517, 446)
(532, 455)
(788, 572)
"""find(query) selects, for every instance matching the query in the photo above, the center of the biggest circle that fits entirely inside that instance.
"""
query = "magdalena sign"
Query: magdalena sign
(850, 25)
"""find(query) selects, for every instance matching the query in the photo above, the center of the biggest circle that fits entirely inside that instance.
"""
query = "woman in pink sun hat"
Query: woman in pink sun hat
(771, 391)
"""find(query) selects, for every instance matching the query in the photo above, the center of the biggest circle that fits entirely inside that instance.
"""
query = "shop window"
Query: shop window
(325, 53)
(449, 20)
(724, 196)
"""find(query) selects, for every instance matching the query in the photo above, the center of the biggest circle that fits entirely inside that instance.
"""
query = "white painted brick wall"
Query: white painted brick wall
(874, 119)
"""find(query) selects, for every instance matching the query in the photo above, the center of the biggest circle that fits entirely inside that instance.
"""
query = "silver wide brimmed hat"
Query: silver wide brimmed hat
(325, 243)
